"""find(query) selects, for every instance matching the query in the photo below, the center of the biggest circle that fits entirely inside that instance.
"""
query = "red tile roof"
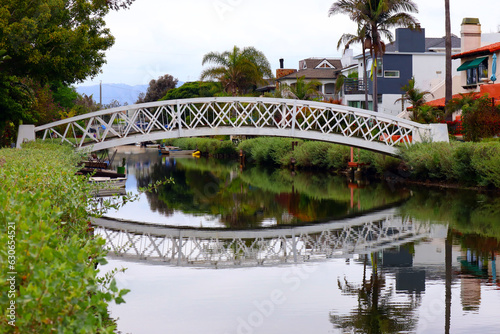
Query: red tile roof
(484, 50)
(493, 91)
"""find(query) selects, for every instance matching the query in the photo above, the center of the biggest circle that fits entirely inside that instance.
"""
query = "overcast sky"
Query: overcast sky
(157, 37)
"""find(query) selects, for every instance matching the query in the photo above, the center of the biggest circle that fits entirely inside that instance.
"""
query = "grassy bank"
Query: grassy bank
(468, 164)
(44, 230)
(312, 154)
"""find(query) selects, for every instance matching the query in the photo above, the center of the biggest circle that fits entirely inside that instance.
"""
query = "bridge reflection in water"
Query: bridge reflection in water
(264, 247)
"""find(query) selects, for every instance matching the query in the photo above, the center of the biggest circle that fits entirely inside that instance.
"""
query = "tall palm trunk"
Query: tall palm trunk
(448, 78)
(375, 52)
(375, 90)
(365, 79)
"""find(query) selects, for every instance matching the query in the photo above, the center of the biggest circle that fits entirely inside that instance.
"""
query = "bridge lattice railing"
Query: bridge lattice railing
(177, 118)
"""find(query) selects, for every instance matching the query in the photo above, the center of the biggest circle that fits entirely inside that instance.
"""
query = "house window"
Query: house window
(471, 76)
(391, 74)
(476, 70)
(380, 68)
(482, 70)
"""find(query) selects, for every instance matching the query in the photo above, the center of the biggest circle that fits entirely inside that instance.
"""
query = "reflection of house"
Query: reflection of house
(324, 70)
(407, 278)
(411, 55)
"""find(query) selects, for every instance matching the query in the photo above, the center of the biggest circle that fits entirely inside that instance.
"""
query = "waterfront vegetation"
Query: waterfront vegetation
(56, 254)
(462, 163)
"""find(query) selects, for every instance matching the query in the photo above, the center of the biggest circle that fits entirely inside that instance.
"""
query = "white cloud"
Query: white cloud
(156, 37)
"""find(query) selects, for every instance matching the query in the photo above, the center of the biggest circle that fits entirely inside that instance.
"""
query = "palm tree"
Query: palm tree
(363, 37)
(238, 70)
(414, 96)
(448, 79)
(302, 89)
(379, 16)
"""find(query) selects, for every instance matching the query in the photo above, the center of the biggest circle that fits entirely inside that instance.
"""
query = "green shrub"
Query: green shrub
(429, 160)
(206, 145)
(468, 163)
(267, 150)
(486, 162)
(57, 287)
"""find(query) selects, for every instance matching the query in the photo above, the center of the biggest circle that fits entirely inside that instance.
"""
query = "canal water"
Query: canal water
(225, 249)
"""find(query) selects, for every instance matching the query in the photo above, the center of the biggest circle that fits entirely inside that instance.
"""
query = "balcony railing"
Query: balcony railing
(354, 86)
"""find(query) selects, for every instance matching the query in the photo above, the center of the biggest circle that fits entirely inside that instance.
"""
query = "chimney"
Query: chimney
(471, 34)
(347, 57)
(282, 71)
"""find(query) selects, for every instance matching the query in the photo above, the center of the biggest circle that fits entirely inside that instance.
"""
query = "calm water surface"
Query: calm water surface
(224, 250)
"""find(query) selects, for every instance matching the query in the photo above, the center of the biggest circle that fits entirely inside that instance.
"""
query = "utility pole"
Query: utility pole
(100, 93)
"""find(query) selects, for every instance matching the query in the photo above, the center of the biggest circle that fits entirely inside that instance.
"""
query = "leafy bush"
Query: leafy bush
(486, 162)
(468, 163)
(268, 150)
(57, 287)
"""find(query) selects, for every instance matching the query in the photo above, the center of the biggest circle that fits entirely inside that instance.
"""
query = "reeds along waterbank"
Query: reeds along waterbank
(467, 164)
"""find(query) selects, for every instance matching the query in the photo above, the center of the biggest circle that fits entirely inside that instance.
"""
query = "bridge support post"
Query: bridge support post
(439, 132)
(26, 133)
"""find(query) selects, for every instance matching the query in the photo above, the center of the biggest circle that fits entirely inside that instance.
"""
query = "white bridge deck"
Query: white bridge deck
(236, 116)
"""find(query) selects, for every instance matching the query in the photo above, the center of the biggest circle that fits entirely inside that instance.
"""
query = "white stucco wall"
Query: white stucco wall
(389, 104)
(429, 70)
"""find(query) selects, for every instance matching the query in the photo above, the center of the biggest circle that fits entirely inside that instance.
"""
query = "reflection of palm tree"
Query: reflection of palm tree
(376, 311)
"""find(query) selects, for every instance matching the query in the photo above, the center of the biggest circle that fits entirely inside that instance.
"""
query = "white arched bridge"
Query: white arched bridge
(236, 116)
(265, 247)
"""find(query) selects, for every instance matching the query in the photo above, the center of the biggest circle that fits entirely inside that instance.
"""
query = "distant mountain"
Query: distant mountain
(120, 92)
(110, 92)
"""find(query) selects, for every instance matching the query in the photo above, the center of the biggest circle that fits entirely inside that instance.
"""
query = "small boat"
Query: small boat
(108, 186)
(166, 149)
(101, 172)
(175, 151)
(115, 182)
(196, 154)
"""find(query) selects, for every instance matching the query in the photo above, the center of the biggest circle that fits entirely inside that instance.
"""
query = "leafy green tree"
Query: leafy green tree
(49, 42)
(480, 116)
(158, 88)
(379, 16)
(15, 101)
(238, 70)
(55, 40)
(65, 96)
(193, 90)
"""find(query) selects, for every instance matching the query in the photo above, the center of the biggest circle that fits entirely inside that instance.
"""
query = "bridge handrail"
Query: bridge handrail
(253, 116)
(225, 99)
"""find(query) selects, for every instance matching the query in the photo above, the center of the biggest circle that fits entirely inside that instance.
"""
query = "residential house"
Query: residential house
(477, 62)
(324, 70)
(410, 55)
